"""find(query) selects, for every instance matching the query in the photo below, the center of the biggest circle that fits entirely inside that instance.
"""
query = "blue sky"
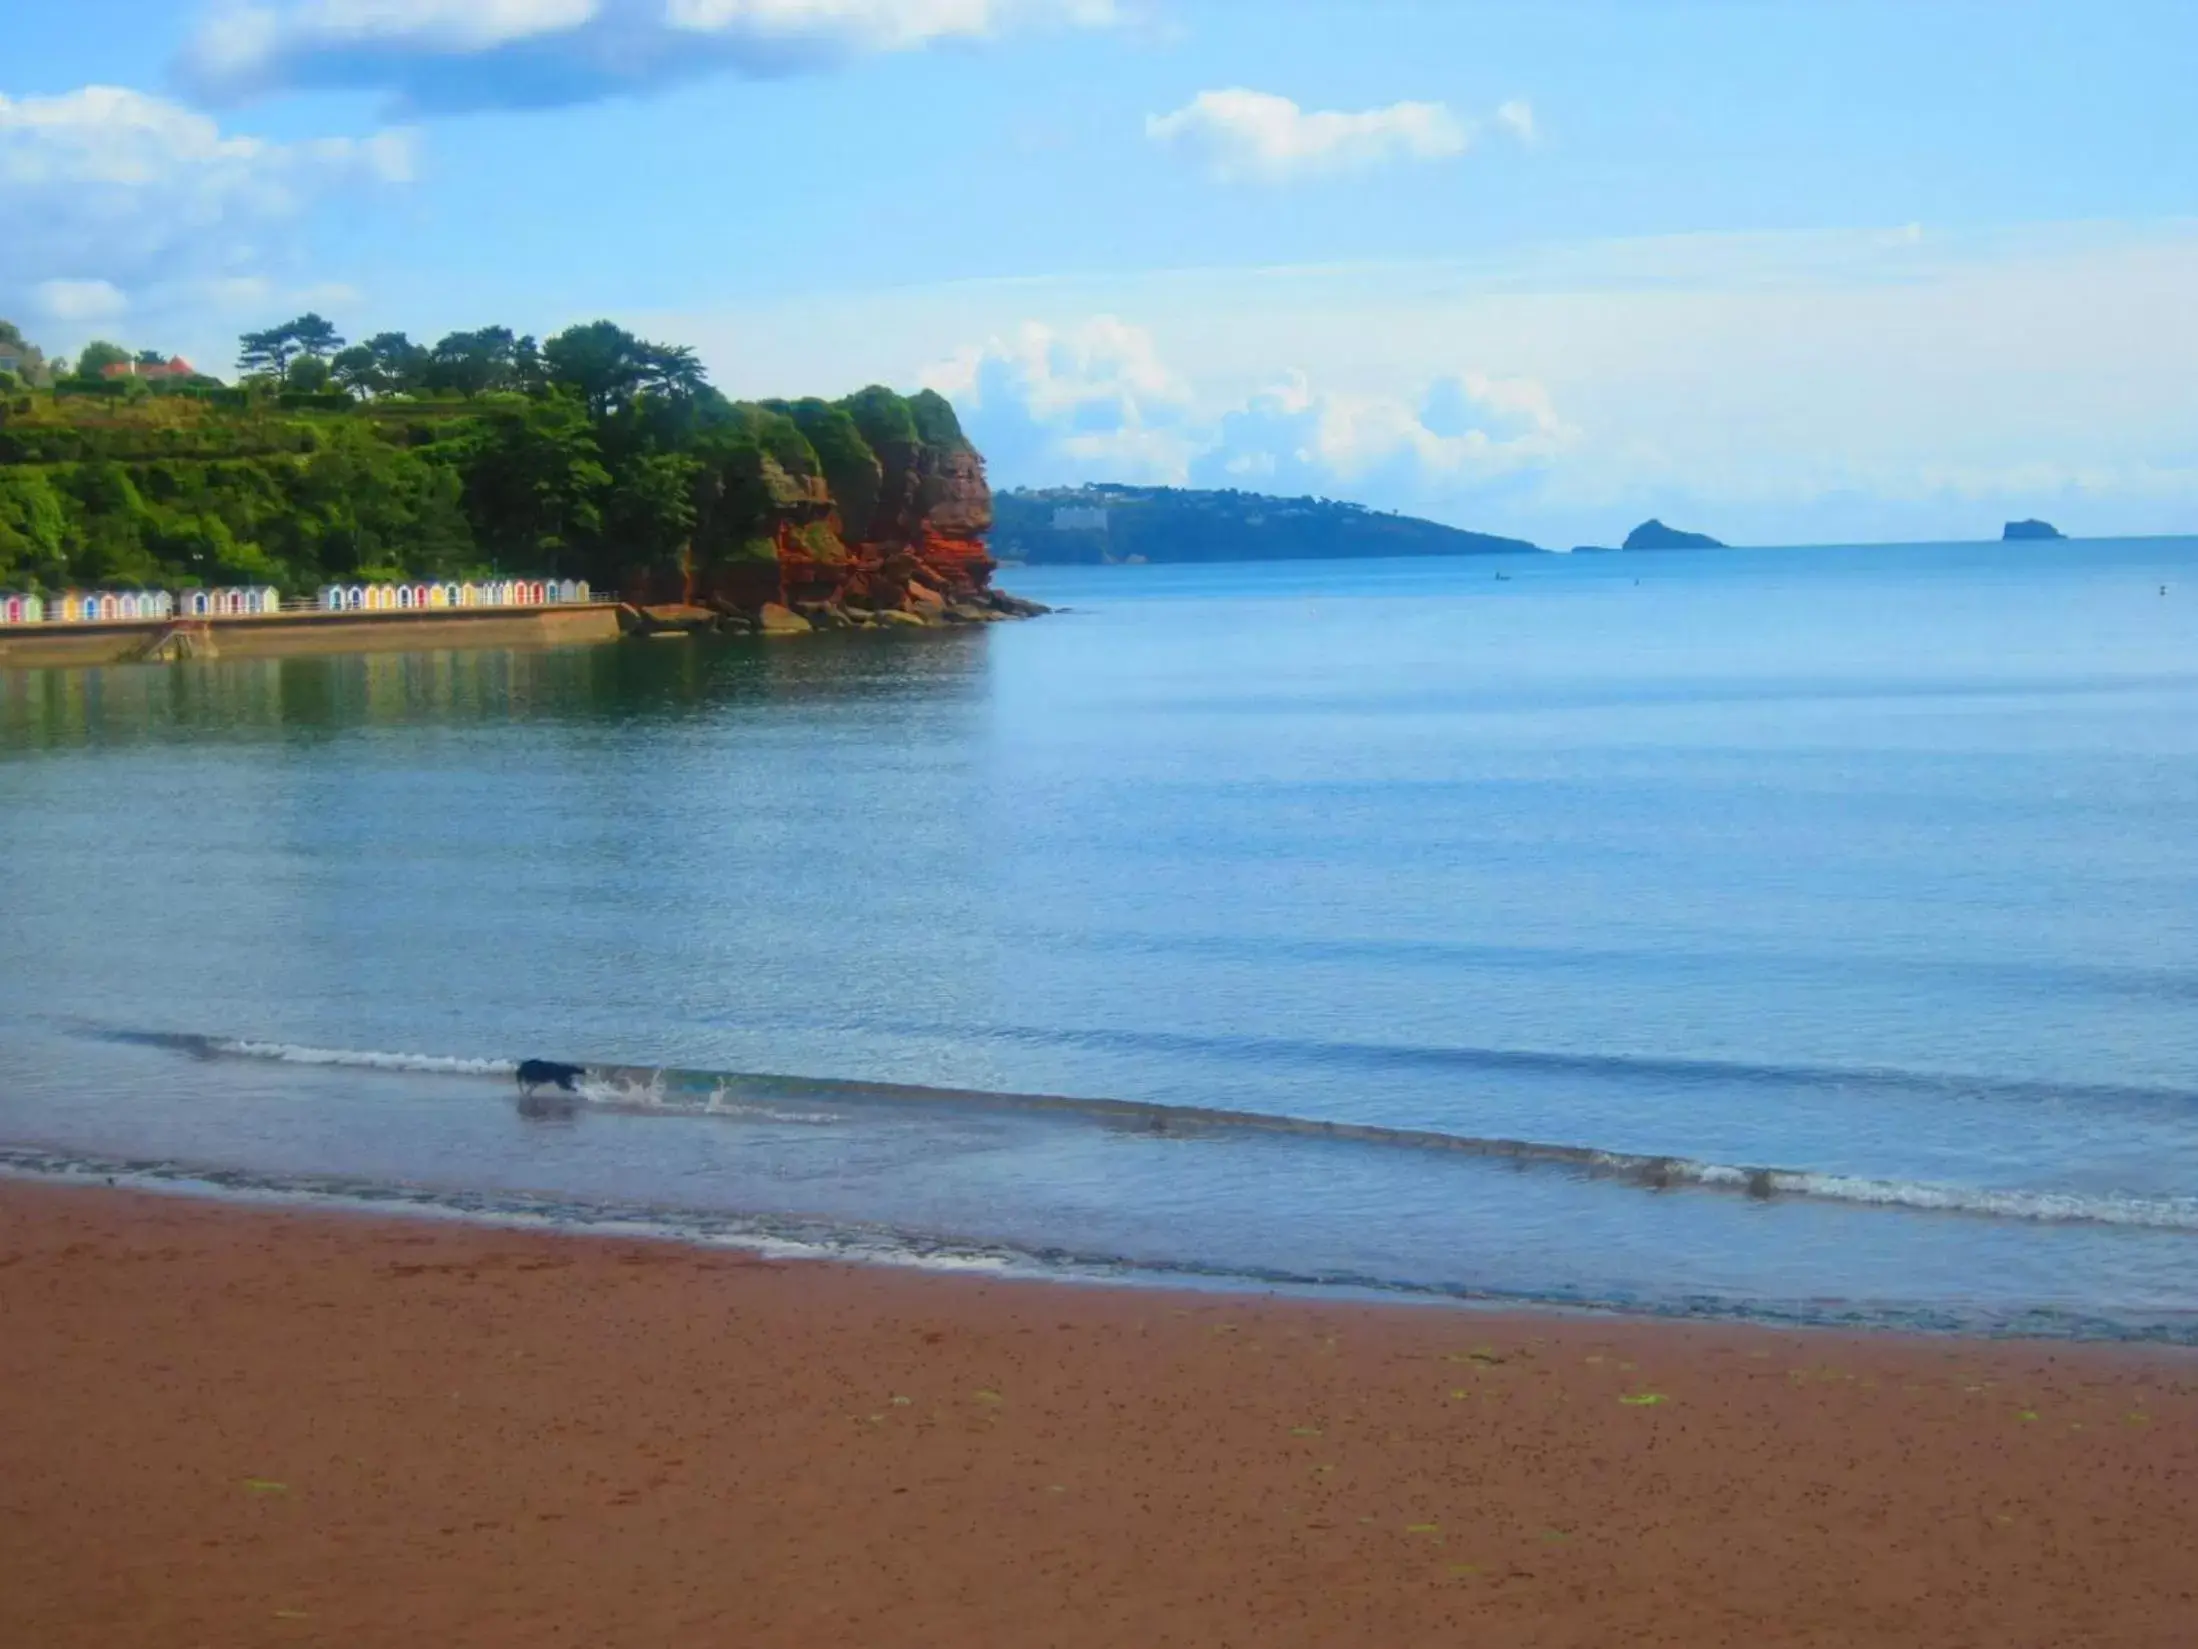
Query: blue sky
(1781, 270)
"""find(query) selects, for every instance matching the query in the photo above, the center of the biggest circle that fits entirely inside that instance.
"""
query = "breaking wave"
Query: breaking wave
(790, 1238)
(821, 1101)
(291, 1053)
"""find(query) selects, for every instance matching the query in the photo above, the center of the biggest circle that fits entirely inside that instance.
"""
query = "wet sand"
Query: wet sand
(231, 1427)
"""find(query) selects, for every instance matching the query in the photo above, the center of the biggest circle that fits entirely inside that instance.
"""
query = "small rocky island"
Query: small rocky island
(2017, 531)
(1652, 534)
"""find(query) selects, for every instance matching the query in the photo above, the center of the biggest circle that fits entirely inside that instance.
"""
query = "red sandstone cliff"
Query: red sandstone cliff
(934, 510)
(918, 550)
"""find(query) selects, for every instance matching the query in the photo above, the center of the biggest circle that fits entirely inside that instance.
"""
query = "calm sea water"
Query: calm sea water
(1578, 895)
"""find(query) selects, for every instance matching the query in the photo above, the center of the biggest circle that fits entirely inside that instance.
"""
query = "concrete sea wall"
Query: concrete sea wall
(278, 635)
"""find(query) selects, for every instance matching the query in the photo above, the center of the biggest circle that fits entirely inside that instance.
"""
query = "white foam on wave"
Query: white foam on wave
(614, 1089)
(292, 1053)
(640, 1089)
(626, 1092)
(2044, 1207)
(630, 1090)
(2159, 1213)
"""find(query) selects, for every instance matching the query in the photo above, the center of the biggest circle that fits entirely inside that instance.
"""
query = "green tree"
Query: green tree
(30, 362)
(851, 469)
(389, 363)
(600, 361)
(476, 363)
(936, 425)
(314, 337)
(884, 418)
(269, 354)
(33, 531)
(608, 367)
(671, 370)
(527, 366)
(98, 356)
(266, 354)
(648, 516)
(534, 487)
(356, 372)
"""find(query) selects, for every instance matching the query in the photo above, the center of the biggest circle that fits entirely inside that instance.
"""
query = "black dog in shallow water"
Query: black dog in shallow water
(547, 1073)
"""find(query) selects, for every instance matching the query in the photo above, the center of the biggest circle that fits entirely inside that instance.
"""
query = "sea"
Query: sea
(1798, 935)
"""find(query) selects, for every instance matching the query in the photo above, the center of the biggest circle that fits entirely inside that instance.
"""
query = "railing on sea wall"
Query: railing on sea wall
(241, 601)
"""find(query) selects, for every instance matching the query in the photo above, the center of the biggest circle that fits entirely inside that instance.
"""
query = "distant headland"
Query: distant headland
(2033, 529)
(1105, 524)
(594, 456)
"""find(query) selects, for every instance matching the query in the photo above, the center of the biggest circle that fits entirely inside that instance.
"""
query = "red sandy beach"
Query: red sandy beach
(229, 1427)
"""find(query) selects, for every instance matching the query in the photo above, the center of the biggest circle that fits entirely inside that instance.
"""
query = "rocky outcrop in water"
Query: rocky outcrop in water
(2016, 531)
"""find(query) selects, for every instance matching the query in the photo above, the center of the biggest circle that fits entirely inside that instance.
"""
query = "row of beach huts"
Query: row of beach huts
(242, 601)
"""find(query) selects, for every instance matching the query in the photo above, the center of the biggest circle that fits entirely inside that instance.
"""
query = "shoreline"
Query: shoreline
(313, 633)
(242, 1425)
(804, 1240)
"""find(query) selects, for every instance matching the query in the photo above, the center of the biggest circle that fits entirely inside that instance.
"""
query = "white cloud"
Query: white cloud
(80, 300)
(537, 53)
(1243, 135)
(106, 190)
(874, 25)
(1517, 118)
(1094, 398)
(1061, 373)
(239, 41)
(1096, 401)
(1460, 432)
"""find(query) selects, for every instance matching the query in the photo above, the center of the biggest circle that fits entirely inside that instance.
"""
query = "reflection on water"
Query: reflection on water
(50, 709)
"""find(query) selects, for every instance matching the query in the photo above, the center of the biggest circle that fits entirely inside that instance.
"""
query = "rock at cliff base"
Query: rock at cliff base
(666, 618)
(923, 595)
(2033, 529)
(896, 615)
(774, 620)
